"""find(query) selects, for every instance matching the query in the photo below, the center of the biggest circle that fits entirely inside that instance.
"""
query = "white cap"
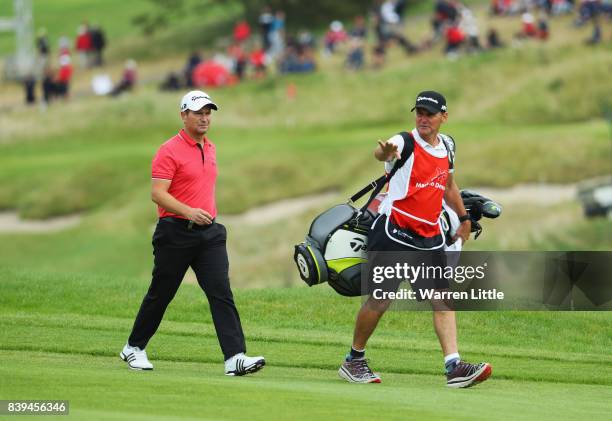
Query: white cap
(196, 100)
(336, 26)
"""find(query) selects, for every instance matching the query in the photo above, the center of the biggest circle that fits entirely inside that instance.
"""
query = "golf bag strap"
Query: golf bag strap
(379, 183)
(450, 151)
(366, 189)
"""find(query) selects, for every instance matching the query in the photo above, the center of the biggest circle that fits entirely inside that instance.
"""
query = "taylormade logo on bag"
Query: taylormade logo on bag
(358, 244)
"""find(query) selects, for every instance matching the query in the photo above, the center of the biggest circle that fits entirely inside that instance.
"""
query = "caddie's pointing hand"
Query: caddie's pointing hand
(389, 150)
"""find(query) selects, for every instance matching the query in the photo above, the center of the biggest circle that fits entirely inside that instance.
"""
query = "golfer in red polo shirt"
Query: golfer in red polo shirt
(183, 186)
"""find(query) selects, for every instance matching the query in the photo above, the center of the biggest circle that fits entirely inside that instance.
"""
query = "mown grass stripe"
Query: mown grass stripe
(206, 331)
(410, 367)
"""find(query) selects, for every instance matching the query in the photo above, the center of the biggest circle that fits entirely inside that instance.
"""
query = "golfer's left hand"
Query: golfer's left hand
(463, 231)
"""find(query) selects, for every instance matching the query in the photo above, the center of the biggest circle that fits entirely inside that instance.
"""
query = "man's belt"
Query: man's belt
(190, 225)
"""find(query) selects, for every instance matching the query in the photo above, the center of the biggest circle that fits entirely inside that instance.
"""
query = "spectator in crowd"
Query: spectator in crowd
(288, 62)
(171, 83)
(42, 42)
(377, 23)
(43, 47)
(455, 37)
(128, 79)
(48, 85)
(529, 29)
(306, 60)
(357, 41)
(277, 35)
(265, 24)
(84, 46)
(544, 5)
(29, 85)
(493, 40)
(379, 54)
(297, 58)
(335, 35)
(239, 60)
(445, 13)
(587, 11)
(359, 29)
(63, 46)
(605, 9)
(258, 61)
(469, 26)
(242, 32)
(306, 39)
(98, 43)
(400, 8)
(193, 61)
(64, 75)
(388, 12)
(559, 7)
(595, 37)
(355, 56)
(507, 7)
(390, 27)
(543, 30)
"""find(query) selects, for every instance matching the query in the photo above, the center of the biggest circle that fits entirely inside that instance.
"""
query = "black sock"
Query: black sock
(356, 355)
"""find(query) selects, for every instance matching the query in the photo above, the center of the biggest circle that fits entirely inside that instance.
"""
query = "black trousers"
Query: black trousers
(176, 247)
(385, 252)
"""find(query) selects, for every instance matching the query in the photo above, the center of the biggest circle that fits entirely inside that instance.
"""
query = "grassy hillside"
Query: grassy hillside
(182, 30)
(58, 331)
(533, 128)
(531, 114)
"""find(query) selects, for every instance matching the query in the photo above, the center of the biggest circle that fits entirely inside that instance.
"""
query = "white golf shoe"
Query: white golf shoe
(240, 364)
(136, 358)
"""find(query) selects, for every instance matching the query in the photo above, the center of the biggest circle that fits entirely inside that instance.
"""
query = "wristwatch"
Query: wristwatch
(464, 218)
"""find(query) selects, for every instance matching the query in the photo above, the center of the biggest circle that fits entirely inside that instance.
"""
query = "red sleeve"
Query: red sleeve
(164, 165)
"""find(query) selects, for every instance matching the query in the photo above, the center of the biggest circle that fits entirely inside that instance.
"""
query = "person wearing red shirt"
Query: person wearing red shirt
(529, 26)
(454, 39)
(258, 61)
(242, 32)
(84, 45)
(184, 174)
(409, 223)
(64, 74)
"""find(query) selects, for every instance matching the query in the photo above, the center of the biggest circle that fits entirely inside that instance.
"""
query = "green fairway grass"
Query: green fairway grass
(61, 338)
(102, 388)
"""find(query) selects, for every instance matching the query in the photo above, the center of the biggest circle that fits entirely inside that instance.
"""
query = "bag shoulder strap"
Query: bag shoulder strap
(406, 152)
(379, 183)
(449, 144)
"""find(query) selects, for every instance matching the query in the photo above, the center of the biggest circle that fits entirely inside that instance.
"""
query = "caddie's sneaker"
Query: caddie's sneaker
(358, 371)
(136, 358)
(240, 364)
(465, 374)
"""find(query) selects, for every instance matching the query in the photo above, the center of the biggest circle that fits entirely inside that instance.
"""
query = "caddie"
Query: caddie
(408, 223)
